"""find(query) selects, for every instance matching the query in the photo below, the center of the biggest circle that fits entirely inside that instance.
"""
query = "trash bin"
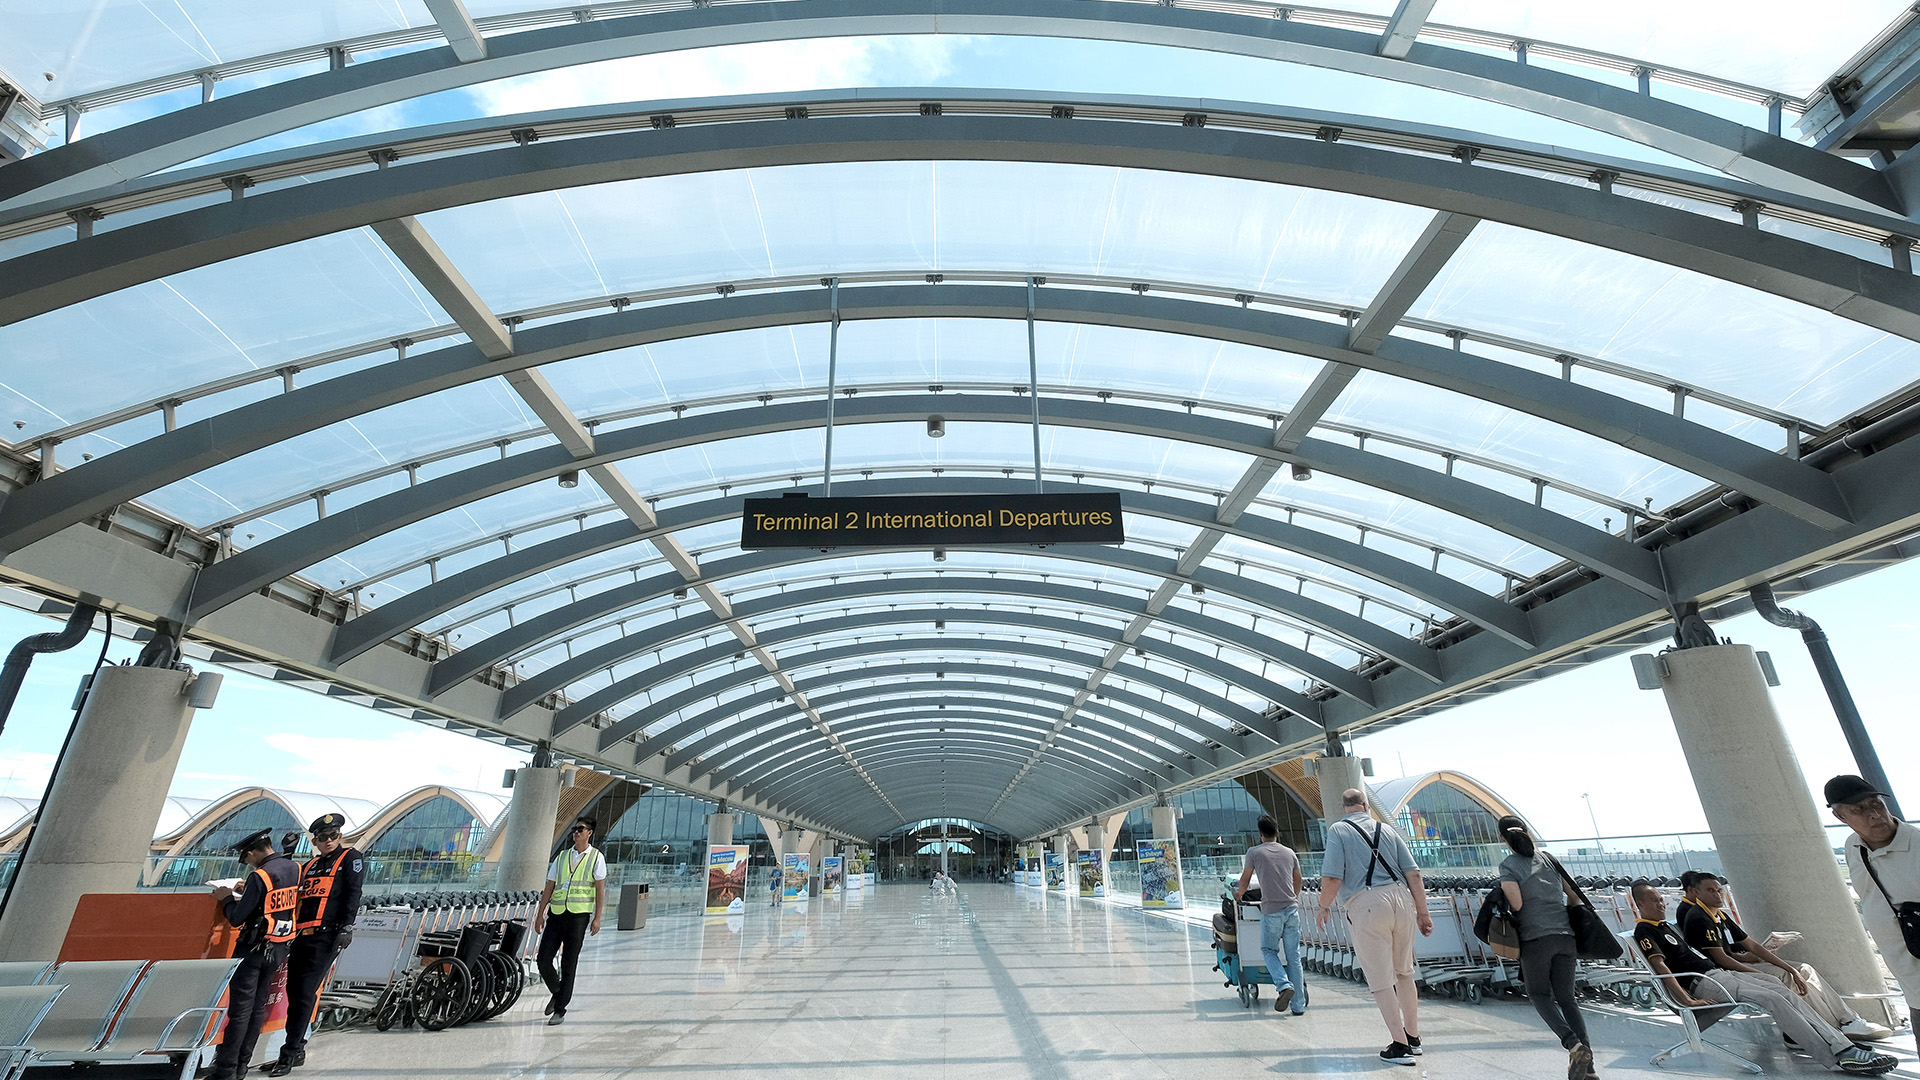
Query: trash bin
(633, 906)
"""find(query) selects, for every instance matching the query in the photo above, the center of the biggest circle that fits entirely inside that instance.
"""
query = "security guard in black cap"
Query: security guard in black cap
(329, 902)
(264, 911)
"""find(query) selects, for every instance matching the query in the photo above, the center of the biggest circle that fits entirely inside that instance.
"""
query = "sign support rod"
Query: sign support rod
(833, 373)
(1033, 387)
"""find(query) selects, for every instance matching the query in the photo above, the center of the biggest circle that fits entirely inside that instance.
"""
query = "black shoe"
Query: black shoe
(557, 1019)
(1398, 1053)
(279, 1068)
(1282, 999)
(550, 1001)
(1579, 1062)
(1413, 1045)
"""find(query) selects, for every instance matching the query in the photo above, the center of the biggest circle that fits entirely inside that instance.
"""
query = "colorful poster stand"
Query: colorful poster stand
(1056, 872)
(1160, 875)
(793, 875)
(832, 874)
(1092, 874)
(1034, 877)
(726, 879)
(856, 871)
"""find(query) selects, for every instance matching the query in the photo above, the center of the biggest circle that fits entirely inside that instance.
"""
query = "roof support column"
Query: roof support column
(531, 821)
(96, 827)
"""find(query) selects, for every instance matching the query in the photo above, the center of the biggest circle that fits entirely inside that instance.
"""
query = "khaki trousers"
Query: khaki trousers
(1825, 1000)
(1381, 919)
(1794, 1014)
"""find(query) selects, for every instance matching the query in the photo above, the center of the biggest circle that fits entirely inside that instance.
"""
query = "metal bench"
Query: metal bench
(172, 1013)
(24, 972)
(1690, 1019)
(22, 1008)
(82, 1016)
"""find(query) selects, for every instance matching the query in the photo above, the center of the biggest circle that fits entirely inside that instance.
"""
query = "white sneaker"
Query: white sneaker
(1860, 1028)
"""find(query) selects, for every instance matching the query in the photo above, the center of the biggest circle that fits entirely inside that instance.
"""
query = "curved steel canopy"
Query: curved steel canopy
(1028, 719)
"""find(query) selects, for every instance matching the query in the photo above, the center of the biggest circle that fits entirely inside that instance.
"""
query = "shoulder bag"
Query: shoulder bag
(1495, 926)
(1905, 912)
(1592, 938)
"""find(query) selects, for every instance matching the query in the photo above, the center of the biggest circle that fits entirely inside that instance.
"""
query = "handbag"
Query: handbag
(1592, 938)
(1495, 926)
(1906, 912)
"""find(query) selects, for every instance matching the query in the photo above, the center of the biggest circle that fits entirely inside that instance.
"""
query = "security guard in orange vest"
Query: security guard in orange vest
(329, 902)
(263, 909)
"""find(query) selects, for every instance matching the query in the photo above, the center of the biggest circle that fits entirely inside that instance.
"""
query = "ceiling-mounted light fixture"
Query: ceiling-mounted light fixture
(1301, 472)
(936, 426)
(680, 593)
(570, 478)
(939, 554)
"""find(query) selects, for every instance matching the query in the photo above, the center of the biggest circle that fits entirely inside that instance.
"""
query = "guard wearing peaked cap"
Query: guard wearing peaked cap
(329, 903)
(263, 909)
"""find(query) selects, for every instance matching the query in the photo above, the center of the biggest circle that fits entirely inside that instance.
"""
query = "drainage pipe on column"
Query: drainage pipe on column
(14, 673)
(1865, 757)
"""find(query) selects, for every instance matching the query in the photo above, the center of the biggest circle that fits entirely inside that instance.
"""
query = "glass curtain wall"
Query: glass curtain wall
(435, 841)
(202, 858)
(1223, 820)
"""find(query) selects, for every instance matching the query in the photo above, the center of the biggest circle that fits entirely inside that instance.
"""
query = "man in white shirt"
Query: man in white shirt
(1884, 864)
(569, 910)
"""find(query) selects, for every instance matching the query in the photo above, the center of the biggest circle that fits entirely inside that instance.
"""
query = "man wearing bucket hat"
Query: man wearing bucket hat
(263, 909)
(329, 902)
(1884, 863)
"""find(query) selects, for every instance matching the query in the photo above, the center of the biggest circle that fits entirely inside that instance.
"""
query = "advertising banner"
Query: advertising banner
(1160, 874)
(793, 875)
(832, 873)
(928, 520)
(1034, 876)
(726, 879)
(856, 871)
(1056, 872)
(1092, 873)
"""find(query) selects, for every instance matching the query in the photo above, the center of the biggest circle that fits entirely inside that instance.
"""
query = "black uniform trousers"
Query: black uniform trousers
(568, 931)
(308, 962)
(247, 997)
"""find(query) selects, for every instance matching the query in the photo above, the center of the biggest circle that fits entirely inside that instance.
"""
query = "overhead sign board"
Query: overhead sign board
(932, 521)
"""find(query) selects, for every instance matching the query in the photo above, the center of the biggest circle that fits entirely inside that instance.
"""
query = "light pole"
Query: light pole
(1588, 799)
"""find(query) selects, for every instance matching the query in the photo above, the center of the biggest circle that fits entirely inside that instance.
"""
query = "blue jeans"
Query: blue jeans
(1283, 928)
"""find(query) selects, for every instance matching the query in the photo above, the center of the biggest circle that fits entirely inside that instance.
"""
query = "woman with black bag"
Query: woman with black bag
(1538, 894)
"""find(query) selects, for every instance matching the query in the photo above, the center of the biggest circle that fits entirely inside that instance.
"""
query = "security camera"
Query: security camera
(1301, 472)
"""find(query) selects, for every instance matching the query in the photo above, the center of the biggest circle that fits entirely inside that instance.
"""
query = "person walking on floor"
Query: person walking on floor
(1279, 871)
(1884, 863)
(569, 911)
(1538, 894)
(1369, 868)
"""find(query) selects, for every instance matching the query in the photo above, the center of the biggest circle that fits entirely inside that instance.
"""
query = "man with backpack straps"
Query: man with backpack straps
(1369, 868)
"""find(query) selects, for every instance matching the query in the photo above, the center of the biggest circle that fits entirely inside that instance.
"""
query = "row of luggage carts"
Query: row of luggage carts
(1452, 962)
(433, 959)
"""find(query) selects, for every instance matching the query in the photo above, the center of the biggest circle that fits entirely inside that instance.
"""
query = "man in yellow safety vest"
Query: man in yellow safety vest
(569, 911)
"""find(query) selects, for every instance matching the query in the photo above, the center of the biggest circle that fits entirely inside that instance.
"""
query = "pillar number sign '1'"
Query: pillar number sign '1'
(797, 521)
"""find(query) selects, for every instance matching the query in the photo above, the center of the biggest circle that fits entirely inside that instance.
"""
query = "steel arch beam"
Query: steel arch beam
(691, 664)
(41, 281)
(74, 495)
(772, 777)
(188, 134)
(591, 662)
(229, 579)
(1030, 712)
(1022, 805)
(1106, 789)
(1178, 725)
(1225, 710)
(415, 608)
(792, 746)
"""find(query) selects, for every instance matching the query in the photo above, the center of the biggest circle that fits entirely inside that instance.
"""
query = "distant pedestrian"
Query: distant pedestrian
(773, 887)
(1279, 871)
(569, 910)
(1538, 894)
(1369, 868)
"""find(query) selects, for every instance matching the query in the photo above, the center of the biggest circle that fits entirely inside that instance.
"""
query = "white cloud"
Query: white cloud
(764, 68)
(381, 770)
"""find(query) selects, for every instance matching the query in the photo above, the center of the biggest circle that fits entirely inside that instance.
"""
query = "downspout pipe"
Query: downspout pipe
(14, 673)
(1864, 756)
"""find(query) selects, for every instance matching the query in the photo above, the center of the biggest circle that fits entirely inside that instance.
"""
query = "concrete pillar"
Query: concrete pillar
(1165, 825)
(719, 829)
(528, 843)
(1772, 846)
(1097, 841)
(1337, 775)
(96, 828)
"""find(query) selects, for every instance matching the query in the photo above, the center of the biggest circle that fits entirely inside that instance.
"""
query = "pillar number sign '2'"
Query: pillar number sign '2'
(796, 521)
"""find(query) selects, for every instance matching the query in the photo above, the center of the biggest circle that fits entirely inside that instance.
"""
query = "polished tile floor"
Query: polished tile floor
(998, 982)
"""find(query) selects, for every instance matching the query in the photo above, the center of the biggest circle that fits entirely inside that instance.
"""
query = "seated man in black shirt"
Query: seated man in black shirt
(1795, 1017)
(1709, 928)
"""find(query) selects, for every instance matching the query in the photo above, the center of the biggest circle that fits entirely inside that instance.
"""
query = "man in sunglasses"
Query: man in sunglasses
(569, 910)
(1884, 863)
